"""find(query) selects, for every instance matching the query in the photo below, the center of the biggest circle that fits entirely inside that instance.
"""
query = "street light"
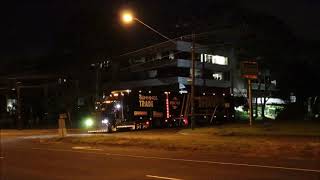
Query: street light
(128, 17)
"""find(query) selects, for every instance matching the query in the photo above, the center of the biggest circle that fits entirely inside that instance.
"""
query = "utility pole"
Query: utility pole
(98, 87)
(19, 118)
(192, 81)
(250, 101)
(98, 79)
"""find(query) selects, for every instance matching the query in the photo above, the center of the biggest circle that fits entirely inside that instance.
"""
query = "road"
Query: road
(22, 158)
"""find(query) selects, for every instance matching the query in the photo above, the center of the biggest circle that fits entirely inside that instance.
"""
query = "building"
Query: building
(168, 65)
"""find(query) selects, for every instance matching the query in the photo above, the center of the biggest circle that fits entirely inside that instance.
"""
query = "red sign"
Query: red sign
(249, 69)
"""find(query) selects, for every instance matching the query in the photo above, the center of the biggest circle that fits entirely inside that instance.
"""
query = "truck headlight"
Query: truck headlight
(88, 122)
(105, 121)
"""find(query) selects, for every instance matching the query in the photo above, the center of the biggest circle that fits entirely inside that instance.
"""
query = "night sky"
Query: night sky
(80, 32)
(38, 27)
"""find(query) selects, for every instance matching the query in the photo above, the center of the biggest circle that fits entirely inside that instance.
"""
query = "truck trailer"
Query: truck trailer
(142, 109)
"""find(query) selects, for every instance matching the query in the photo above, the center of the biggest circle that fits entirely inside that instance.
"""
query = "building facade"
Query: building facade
(168, 65)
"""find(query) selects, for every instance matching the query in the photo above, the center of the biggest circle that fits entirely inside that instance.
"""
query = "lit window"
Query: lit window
(209, 59)
(293, 99)
(217, 76)
(171, 55)
(221, 60)
(214, 59)
(11, 105)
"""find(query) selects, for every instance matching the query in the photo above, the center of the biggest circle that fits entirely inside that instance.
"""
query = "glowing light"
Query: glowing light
(183, 91)
(88, 122)
(239, 108)
(127, 17)
(185, 120)
(105, 121)
(167, 105)
(118, 106)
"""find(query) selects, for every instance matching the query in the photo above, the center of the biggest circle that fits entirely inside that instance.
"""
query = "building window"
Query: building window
(11, 105)
(152, 73)
(214, 59)
(171, 55)
(217, 76)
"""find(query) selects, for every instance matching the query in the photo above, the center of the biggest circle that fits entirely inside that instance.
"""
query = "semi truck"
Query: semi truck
(142, 109)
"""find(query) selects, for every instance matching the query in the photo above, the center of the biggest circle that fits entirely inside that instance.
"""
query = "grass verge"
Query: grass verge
(276, 140)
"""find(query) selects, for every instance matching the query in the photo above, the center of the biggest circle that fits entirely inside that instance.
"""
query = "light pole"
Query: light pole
(128, 18)
(193, 78)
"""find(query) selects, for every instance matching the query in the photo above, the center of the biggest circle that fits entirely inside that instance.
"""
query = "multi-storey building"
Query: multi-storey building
(168, 65)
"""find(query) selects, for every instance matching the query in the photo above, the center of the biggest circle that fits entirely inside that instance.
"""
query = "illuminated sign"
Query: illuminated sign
(147, 101)
(140, 113)
(249, 69)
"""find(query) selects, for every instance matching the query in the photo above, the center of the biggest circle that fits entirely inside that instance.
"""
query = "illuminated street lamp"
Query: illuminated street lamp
(128, 17)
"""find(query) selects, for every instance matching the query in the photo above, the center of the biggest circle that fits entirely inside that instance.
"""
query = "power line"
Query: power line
(187, 36)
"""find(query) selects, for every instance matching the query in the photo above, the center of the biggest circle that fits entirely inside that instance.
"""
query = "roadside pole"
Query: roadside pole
(250, 101)
(192, 81)
(62, 131)
(249, 70)
(19, 118)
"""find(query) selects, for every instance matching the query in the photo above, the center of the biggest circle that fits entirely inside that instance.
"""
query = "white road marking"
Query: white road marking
(184, 134)
(86, 148)
(95, 149)
(81, 147)
(162, 177)
(190, 160)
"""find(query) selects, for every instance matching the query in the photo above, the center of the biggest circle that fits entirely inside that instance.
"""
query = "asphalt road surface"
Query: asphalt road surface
(23, 159)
